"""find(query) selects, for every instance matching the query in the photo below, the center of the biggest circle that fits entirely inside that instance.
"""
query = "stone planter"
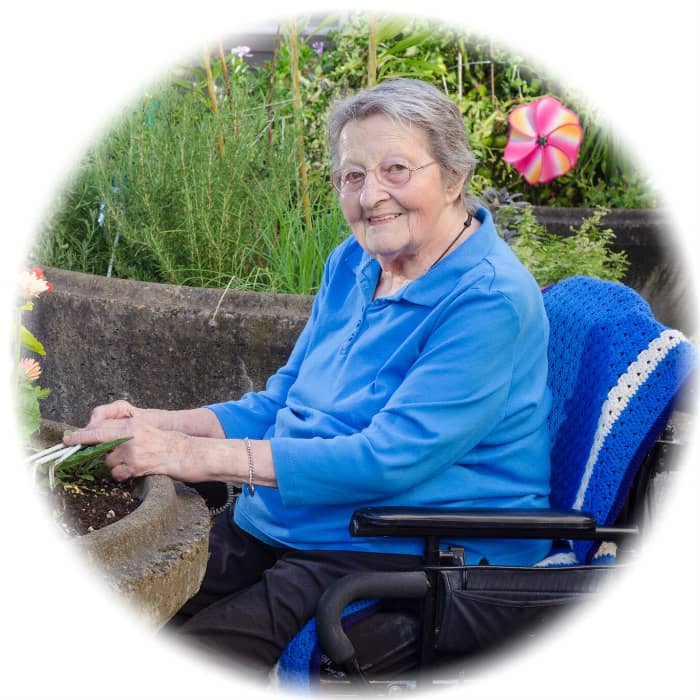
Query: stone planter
(155, 557)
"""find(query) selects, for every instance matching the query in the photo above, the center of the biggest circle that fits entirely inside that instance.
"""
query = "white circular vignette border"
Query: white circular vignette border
(70, 66)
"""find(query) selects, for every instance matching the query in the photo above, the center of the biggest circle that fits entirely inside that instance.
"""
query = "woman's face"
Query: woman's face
(393, 222)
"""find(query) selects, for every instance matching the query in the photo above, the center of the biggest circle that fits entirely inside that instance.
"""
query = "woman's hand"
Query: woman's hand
(124, 409)
(200, 422)
(114, 410)
(187, 445)
(149, 451)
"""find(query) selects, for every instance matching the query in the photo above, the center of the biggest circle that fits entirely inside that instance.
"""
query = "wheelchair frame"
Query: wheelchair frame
(423, 585)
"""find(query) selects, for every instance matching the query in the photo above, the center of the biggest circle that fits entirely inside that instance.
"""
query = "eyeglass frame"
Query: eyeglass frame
(410, 171)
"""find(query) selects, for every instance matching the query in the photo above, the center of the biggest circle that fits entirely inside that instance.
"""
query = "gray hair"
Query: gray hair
(418, 104)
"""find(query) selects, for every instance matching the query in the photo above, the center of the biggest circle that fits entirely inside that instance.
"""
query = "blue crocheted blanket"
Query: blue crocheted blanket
(614, 371)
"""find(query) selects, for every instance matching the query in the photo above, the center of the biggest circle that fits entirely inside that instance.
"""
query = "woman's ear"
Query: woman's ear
(454, 189)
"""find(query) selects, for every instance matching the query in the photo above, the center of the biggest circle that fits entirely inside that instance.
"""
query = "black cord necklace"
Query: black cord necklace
(467, 224)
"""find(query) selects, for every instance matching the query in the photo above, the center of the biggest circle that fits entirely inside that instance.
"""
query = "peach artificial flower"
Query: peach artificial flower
(32, 369)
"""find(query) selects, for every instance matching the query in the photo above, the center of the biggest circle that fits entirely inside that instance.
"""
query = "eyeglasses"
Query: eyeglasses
(389, 174)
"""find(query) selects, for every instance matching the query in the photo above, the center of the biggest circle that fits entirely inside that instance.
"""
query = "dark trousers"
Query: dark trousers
(254, 598)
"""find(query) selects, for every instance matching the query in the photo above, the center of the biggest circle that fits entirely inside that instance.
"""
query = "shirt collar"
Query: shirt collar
(438, 281)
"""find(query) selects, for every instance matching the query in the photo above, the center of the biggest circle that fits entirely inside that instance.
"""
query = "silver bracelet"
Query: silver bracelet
(251, 466)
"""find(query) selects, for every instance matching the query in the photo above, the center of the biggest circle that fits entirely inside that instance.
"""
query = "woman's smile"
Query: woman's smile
(379, 219)
(389, 235)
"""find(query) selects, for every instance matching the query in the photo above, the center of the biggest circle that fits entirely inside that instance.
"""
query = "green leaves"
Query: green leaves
(28, 341)
(551, 258)
(86, 464)
(88, 454)
(28, 397)
(186, 217)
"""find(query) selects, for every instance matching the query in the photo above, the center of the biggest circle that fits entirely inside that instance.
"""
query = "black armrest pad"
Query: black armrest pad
(522, 523)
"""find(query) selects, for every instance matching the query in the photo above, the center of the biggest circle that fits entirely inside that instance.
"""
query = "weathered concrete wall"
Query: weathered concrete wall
(162, 345)
(657, 267)
(156, 345)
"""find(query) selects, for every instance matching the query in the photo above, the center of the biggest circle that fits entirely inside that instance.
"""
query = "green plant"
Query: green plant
(28, 370)
(201, 182)
(85, 465)
(505, 207)
(293, 41)
(295, 258)
(551, 258)
(72, 237)
(485, 80)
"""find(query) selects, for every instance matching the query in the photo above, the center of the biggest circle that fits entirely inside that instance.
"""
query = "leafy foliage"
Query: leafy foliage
(552, 258)
(29, 414)
(86, 464)
(31, 284)
(199, 183)
(29, 342)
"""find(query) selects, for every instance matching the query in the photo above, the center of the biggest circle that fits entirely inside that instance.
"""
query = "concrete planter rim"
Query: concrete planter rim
(155, 556)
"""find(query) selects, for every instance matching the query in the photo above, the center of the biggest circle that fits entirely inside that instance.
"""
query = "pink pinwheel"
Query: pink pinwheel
(544, 140)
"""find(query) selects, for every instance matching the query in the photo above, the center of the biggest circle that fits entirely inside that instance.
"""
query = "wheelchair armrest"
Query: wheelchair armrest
(505, 523)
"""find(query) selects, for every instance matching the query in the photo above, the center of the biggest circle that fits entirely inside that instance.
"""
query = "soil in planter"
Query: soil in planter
(81, 507)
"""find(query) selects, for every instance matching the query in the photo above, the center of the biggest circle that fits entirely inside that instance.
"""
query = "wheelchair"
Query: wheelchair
(617, 376)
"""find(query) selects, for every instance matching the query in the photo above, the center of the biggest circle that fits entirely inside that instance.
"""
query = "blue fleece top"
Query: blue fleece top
(435, 396)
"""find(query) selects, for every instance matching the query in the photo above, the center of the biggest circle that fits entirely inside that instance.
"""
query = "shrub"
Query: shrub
(552, 258)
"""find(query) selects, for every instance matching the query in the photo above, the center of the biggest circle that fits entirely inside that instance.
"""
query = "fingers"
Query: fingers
(148, 451)
(122, 472)
(110, 411)
(105, 431)
(97, 430)
(120, 464)
(120, 460)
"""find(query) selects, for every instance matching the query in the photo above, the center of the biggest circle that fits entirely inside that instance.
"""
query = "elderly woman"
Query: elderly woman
(419, 380)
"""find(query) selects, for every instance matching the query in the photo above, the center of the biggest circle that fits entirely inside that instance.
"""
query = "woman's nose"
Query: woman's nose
(372, 191)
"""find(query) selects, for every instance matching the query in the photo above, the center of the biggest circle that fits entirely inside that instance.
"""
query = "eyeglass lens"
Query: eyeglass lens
(392, 174)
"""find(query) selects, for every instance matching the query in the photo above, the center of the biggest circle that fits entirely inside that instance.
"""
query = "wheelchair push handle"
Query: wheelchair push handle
(333, 640)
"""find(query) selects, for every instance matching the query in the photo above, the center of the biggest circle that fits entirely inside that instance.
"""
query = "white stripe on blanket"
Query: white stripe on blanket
(619, 396)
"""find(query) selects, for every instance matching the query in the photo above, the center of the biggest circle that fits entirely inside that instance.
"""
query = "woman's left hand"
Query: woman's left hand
(149, 451)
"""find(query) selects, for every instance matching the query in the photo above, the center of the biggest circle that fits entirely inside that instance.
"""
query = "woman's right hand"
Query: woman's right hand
(116, 409)
(199, 422)
(119, 409)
